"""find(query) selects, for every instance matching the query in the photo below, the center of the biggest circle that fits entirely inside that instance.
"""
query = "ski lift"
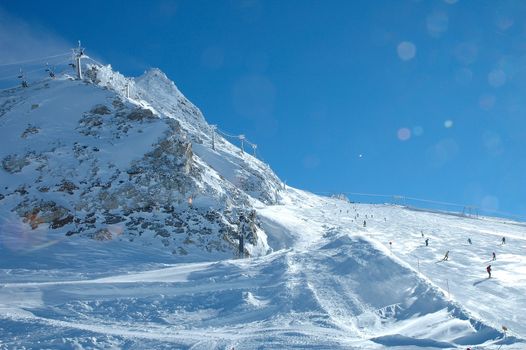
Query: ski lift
(51, 71)
(21, 76)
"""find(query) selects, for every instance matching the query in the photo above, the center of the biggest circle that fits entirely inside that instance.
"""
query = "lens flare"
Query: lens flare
(19, 234)
(406, 50)
(404, 134)
(497, 78)
(487, 101)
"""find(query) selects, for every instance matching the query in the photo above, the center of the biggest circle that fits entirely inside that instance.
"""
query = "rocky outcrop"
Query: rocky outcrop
(73, 178)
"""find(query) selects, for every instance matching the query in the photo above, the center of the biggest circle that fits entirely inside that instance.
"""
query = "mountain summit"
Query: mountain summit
(112, 157)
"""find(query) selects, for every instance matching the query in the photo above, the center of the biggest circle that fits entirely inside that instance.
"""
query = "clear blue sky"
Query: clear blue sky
(431, 94)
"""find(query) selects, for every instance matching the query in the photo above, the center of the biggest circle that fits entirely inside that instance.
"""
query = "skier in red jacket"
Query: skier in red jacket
(489, 271)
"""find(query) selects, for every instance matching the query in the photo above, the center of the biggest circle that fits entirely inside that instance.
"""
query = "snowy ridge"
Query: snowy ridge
(120, 222)
(86, 159)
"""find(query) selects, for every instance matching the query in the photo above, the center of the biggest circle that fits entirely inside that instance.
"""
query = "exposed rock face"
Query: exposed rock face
(140, 114)
(14, 163)
(100, 110)
(30, 130)
(39, 212)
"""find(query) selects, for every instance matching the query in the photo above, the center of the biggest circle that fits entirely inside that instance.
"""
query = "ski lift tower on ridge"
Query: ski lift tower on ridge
(242, 138)
(127, 88)
(213, 127)
(78, 53)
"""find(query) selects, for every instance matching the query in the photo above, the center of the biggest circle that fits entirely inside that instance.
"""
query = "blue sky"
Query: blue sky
(419, 98)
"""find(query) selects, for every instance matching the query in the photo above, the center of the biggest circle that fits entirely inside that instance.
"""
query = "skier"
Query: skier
(427, 242)
(503, 240)
(494, 256)
(422, 232)
(446, 257)
(469, 240)
(489, 271)
(364, 224)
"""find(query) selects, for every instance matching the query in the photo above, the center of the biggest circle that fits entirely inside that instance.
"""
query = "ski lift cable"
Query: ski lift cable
(227, 135)
(92, 59)
(236, 137)
(9, 77)
(16, 76)
(10, 87)
(434, 202)
(426, 201)
(32, 60)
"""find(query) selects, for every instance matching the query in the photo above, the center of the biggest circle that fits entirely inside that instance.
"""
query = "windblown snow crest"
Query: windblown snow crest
(115, 157)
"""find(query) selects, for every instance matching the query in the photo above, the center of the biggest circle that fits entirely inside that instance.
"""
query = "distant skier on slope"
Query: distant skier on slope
(446, 257)
(364, 224)
(503, 240)
(469, 240)
(494, 257)
(427, 242)
(489, 271)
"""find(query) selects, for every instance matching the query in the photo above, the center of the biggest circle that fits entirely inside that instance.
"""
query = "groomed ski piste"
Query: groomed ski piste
(330, 283)
(317, 278)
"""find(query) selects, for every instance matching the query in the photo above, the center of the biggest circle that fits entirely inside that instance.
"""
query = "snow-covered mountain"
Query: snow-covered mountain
(84, 157)
(120, 220)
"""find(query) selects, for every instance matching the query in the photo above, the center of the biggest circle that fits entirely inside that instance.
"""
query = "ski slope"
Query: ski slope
(330, 283)
(166, 193)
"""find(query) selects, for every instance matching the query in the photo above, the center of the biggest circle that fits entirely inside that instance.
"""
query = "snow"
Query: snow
(329, 284)
(316, 277)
